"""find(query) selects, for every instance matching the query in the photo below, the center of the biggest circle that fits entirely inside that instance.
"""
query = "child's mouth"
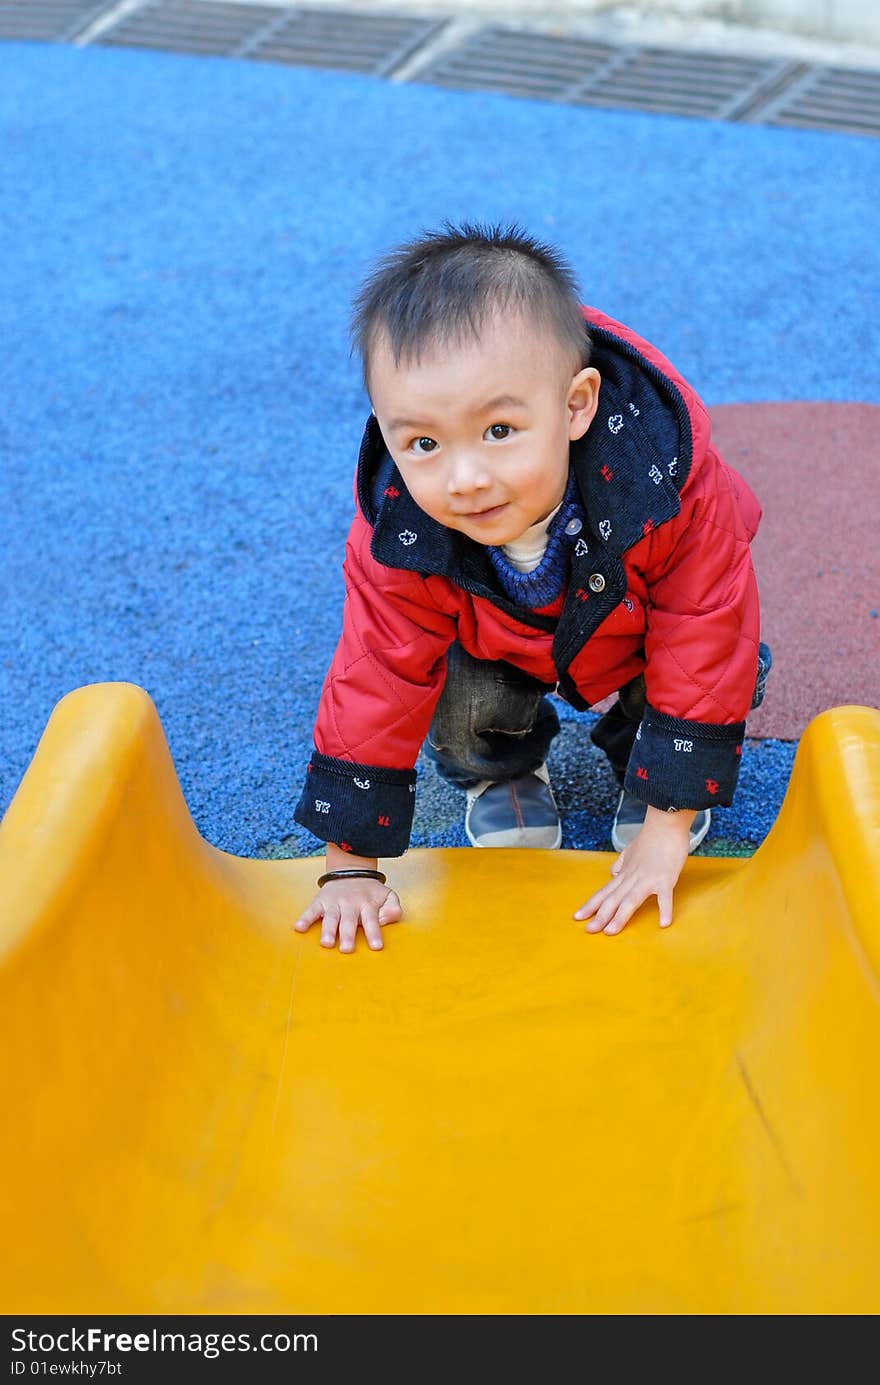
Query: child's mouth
(483, 515)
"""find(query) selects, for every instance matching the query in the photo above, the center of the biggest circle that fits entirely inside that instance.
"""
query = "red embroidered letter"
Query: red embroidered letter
(384, 822)
(641, 772)
(344, 846)
(711, 786)
(606, 473)
(393, 492)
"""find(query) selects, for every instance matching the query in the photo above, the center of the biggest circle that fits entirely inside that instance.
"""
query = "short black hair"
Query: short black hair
(443, 286)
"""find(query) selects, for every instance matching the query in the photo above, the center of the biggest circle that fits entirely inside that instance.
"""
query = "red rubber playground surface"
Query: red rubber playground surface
(816, 470)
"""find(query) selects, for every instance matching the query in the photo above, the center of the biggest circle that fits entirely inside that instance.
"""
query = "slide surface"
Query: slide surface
(499, 1113)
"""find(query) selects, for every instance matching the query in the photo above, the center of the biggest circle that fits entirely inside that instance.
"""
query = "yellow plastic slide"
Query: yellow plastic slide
(205, 1112)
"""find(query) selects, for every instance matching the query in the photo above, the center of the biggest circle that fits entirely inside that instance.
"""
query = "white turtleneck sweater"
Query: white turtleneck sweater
(526, 552)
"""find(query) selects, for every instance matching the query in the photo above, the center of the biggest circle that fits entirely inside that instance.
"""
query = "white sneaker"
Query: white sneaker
(630, 819)
(514, 812)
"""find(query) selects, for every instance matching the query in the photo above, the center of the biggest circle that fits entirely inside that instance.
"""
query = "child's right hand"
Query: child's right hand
(345, 904)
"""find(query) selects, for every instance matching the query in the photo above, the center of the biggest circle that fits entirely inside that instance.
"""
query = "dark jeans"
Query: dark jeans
(494, 721)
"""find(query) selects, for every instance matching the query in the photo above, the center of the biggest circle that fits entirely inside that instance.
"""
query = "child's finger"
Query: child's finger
(664, 899)
(601, 918)
(624, 912)
(309, 916)
(596, 901)
(371, 926)
(615, 909)
(330, 925)
(348, 926)
(391, 909)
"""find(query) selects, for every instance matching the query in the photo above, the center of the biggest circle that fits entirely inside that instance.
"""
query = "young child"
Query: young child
(539, 509)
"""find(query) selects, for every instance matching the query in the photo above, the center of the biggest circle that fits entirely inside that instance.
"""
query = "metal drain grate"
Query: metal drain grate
(363, 42)
(47, 20)
(191, 26)
(357, 41)
(829, 98)
(715, 86)
(582, 73)
(517, 62)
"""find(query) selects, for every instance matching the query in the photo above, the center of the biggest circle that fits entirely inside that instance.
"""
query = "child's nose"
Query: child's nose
(467, 474)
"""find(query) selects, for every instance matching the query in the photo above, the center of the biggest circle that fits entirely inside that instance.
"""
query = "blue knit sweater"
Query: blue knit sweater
(542, 586)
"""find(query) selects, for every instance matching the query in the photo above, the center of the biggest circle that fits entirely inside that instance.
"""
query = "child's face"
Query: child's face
(480, 432)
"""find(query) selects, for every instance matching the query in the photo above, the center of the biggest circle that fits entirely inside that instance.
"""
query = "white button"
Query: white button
(574, 526)
(597, 582)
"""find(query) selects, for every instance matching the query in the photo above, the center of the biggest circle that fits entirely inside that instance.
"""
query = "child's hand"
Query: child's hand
(651, 864)
(343, 904)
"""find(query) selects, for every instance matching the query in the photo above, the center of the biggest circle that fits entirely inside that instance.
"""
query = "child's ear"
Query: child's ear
(583, 401)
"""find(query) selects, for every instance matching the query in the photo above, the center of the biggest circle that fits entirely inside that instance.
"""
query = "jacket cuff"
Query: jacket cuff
(684, 764)
(365, 809)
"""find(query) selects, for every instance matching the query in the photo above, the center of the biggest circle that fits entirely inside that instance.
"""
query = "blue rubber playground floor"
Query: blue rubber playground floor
(181, 238)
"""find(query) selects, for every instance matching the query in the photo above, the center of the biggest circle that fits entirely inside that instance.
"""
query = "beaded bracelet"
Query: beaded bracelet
(352, 875)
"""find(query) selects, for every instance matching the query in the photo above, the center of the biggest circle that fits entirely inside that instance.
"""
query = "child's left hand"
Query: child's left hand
(650, 865)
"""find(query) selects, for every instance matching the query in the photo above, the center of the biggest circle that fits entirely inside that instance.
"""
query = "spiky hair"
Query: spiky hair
(444, 286)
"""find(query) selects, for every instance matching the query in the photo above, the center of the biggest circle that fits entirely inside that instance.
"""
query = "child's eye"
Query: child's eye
(429, 444)
(499, 431)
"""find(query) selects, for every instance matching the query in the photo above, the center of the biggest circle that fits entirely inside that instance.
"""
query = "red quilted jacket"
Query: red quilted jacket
(661, 582)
